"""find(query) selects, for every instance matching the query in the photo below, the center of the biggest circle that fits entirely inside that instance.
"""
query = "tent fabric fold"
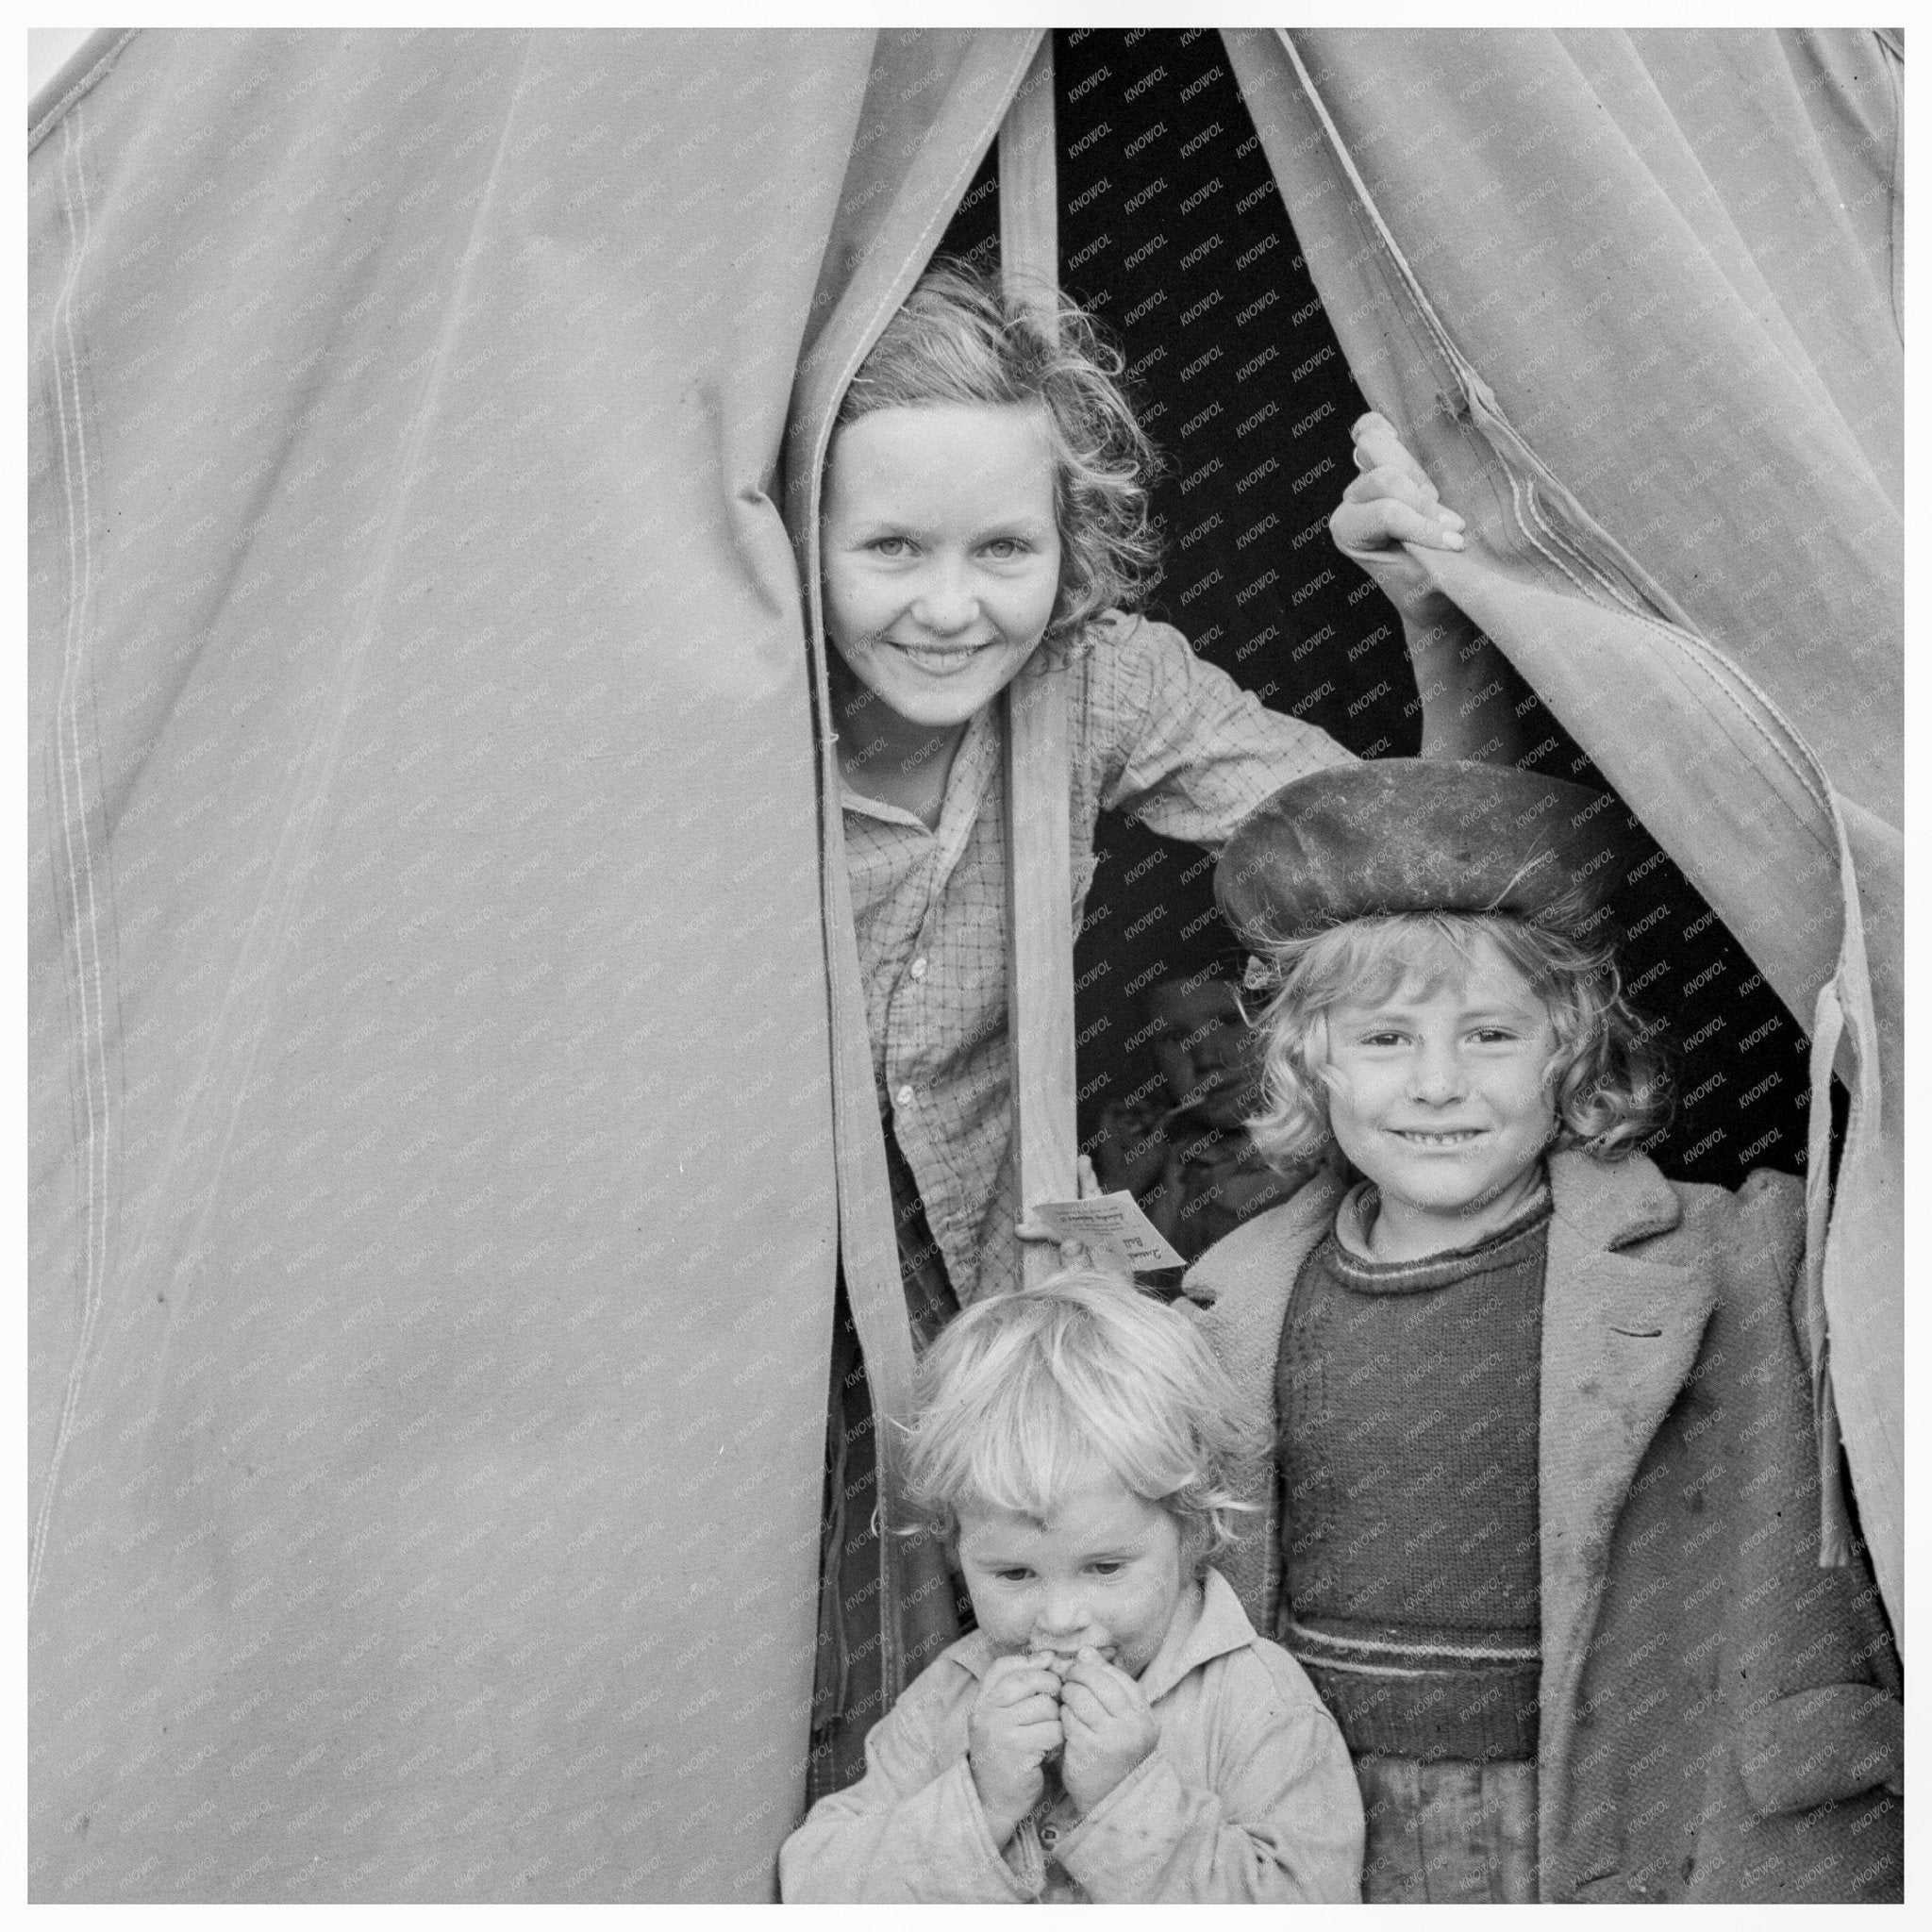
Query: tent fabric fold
(1632, 300)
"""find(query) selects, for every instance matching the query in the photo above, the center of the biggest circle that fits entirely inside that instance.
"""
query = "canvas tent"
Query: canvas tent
(449, 1092)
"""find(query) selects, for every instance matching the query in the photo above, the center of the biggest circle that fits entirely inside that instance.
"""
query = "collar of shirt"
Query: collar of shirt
(966, 782)
(1356, 1215)
(1222, 1627)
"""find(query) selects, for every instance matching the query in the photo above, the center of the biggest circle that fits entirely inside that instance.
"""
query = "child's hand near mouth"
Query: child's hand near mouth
(1109, 1726)
(1013, 1730)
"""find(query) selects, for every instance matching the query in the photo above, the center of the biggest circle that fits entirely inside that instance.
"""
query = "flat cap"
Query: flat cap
(1419, 835)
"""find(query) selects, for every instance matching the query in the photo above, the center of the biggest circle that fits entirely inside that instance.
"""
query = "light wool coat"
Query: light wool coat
(1719, 1716)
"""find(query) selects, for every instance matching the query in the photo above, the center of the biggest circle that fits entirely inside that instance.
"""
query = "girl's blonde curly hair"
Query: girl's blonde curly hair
(1608, 1075)
(960, 338)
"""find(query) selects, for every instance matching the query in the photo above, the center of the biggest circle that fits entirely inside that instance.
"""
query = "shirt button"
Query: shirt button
(904, 1096)
(1049, 1833)
(919, 968)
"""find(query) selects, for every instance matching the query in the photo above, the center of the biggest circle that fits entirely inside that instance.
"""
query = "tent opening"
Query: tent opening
(1171, 230)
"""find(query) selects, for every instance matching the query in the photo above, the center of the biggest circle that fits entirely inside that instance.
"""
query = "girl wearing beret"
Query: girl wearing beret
(1541, 1522)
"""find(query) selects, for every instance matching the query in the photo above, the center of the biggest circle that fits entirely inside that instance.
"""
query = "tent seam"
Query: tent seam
(79, 862)
(1894, 56)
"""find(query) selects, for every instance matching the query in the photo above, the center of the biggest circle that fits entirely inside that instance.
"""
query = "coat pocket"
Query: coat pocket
(1815, 1746)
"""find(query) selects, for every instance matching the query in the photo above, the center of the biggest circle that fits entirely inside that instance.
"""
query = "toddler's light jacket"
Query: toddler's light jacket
(1249, 1794)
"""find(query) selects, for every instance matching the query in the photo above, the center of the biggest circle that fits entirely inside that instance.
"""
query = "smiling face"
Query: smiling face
(941, 553)
(1438, 1094)
(1106, 1569)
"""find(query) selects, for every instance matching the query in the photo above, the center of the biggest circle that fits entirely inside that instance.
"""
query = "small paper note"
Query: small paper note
(1109, 1225)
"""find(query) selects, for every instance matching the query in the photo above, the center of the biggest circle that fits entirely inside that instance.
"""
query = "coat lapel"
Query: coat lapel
(1241, 1286)
(1620, 1335)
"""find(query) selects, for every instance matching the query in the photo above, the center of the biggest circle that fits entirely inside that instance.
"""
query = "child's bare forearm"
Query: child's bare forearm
(1468, 690)
(1388, 519)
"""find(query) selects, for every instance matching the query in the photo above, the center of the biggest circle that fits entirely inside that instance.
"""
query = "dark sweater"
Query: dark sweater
(1407, 1395)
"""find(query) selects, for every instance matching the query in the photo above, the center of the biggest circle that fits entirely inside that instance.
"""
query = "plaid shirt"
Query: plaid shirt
(1150, 728)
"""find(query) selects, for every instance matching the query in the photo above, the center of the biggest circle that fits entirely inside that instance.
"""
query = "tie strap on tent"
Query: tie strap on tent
(1039, 883)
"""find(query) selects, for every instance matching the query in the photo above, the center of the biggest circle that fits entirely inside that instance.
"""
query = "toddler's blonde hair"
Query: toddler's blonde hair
(1028, 1395)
